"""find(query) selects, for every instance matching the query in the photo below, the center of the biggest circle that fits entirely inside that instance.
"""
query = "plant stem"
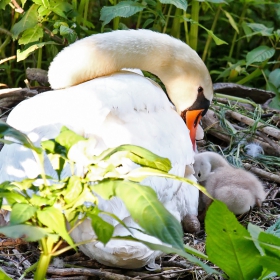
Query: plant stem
(139, 20)
(244, 10)
(186, 28)
(194, 26)
(209, 38)
(116, 20)
(250, 77)
(85, 12)
(176, 25)
(167, 19)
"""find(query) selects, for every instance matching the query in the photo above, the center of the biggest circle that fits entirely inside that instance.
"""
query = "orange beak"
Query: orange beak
(193, 118)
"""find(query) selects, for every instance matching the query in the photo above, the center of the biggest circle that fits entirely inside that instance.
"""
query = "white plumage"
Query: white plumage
(119, 107)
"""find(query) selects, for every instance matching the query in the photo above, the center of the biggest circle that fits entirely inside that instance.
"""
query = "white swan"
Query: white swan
(94, 97)
(238, 189)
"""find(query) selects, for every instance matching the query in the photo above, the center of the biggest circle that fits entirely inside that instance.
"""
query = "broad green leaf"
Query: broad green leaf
(270, 263)
(67, 138)
(271, 87)
(61, 8)
(254, 232)
(31, 35)
(54, 220)
(274, 77)
(7, 130)
(181, 4)
(68, 33)
(259, 54)
(275, 228)
(122, 9)
(259, 28)
(29, 233)
(145, 208)
(228, 246)
(73, 190)
(138, 155)
(171, 250)
(4, 3)
(270, 243)
(231, 21)
(13, 197)
(102, 229)
(21, 213)
(21, 55)
(29, 20)
(25, 184)
(106, 188)
(40, 201)
(275, 103)
(3, 275)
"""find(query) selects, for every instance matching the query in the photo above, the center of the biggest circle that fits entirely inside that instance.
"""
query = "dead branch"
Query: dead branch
(87, 272)
(266, 129)
(264, 174)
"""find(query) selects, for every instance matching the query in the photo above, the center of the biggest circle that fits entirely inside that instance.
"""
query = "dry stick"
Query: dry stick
(87, 272)
(7, 59)
(211, 124)
(266, 129)
(262, 173)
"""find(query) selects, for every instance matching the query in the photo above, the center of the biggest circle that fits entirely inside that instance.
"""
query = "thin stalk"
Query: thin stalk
(186, 29)
(244, 10)
(156, 24)
(250, 77)
(194, 26)
(176, 24)
(39, 57)
(209, 38)
(85, 12)
(234, 98)
(116, 20)
(139, 20)
(167, 19)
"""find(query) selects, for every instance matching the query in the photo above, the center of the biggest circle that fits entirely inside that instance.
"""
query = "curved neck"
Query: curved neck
(216, 160)
(174, 62)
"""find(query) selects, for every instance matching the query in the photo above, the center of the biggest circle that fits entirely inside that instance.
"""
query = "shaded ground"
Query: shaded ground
(224, 133)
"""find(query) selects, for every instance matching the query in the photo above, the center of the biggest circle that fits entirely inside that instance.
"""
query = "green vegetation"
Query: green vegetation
(238, 40)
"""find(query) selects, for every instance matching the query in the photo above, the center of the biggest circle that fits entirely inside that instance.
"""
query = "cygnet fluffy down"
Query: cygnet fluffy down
(238, 189)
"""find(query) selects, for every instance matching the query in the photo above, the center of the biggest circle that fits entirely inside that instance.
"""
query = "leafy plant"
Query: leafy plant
(240, 253)
(41, 207)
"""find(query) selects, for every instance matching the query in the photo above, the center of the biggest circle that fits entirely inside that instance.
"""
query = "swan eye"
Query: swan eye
(200, 90)
(199, 174)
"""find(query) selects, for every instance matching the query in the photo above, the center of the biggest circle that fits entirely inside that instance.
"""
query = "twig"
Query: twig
(262, 173)
(266, 129)
(18, 7)
(22, 260)
(7, 59)
(87, 272)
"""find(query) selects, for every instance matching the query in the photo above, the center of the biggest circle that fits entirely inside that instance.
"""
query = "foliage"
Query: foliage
(240, 253)
(41, 207)
(238, 40)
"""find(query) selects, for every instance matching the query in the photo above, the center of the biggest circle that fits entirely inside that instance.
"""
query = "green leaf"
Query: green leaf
(103, 230)
(4, 3)
(21, 213)
(61, 8)
(39, 201)
(29, 20)
(13, 197)
(122, 9)
(106, 188)
(274, 77)
(228, 246)
(138, 155)
(270, 243)
(259, 54)
(259, 28)
(3, 275)
(7, 130)
(73, 190)
(68, 33)
(31, 35)
(254, 232)
(181, 4)
(231, 21)
(54, 220)
(67, 138)
(145, 208)
(23, 54)
(270, 263)
(29, 233)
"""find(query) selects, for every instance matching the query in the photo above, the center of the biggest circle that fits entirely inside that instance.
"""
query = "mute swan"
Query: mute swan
(94, 97)
(238, 189)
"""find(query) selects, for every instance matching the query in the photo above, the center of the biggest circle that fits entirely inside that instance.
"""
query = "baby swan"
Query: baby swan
(238, 189)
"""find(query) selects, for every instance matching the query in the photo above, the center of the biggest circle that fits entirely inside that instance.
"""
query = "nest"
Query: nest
(230, 125)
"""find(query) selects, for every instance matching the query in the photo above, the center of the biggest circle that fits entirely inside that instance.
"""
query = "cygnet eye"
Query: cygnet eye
(199, 174)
